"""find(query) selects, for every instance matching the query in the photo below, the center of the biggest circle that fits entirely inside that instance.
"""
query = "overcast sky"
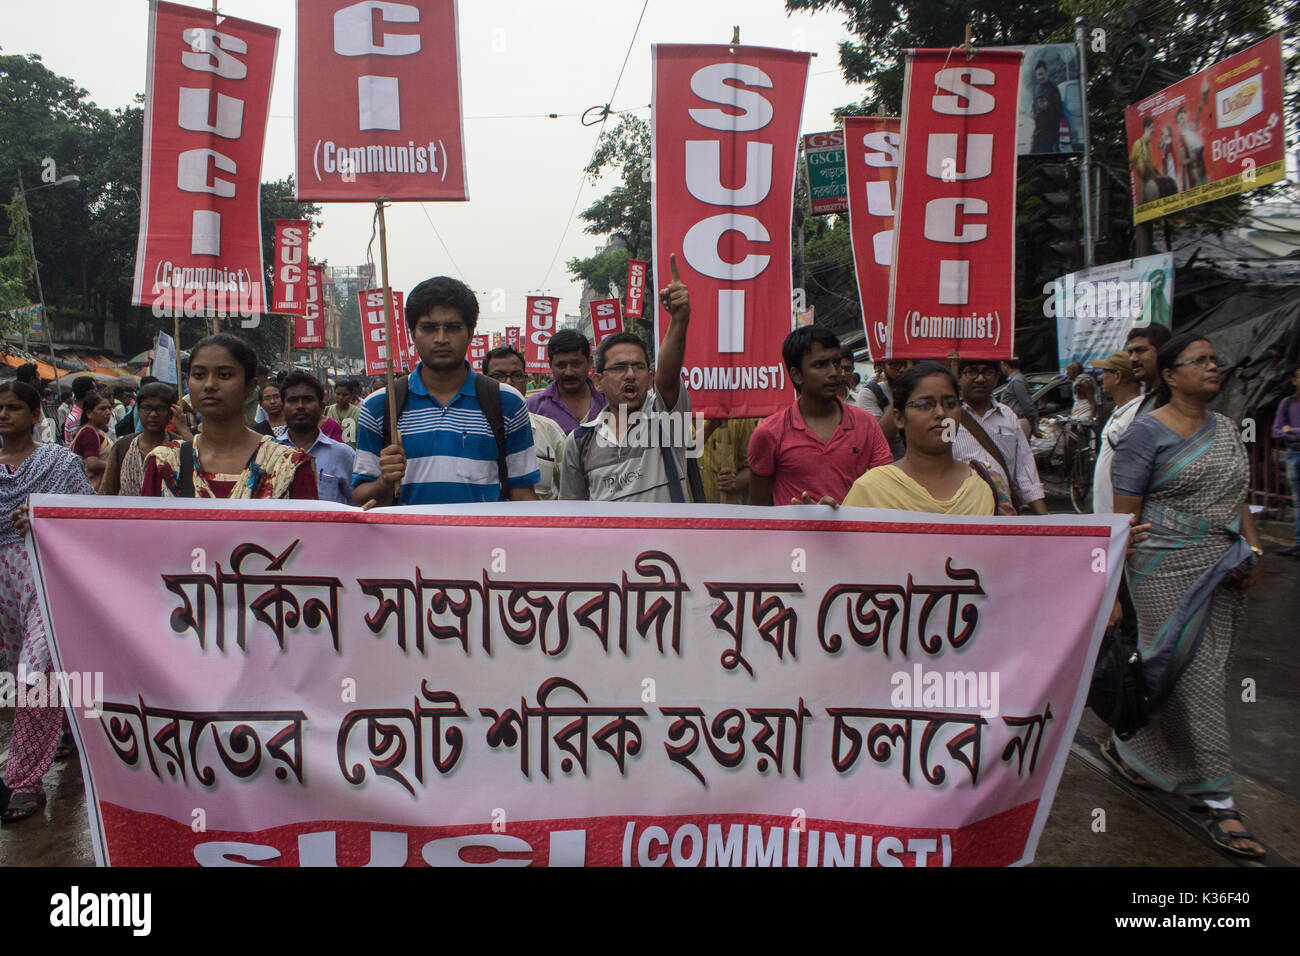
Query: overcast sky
(518, 57)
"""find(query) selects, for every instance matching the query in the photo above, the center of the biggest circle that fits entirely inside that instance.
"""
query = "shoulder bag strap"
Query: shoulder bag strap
(186, 488)
(989, 445)
(488, 391)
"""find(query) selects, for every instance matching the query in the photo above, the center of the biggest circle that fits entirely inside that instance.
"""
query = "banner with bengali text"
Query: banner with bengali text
(695, 687)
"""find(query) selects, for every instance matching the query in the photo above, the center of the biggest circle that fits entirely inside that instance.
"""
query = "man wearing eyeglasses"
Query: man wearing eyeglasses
(505, 364)
(990, 431)
(635, 450)
(571, 397)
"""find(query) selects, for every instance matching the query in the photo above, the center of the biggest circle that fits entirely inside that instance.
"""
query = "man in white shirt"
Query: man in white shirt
(876, 397)
(1119, 382)
(505, 364)
(1000, 429)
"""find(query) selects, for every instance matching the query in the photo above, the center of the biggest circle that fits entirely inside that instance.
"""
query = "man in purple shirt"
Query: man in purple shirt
(571, 398)
(1286, 428)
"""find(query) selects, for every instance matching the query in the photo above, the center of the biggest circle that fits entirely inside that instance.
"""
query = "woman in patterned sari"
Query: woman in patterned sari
(226, 459)
(1184, 470)
(124, 473)
(27, 468)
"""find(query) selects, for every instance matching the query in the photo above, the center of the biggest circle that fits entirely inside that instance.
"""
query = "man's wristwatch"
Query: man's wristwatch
(1259, 552)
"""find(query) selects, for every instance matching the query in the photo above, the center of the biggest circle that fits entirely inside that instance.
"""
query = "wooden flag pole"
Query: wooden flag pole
(389, 330)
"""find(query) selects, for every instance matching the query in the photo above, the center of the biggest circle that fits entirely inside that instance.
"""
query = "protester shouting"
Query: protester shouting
(929, 478)
(303, 398)
(124, 471)
(505, 364)
(226, 459)
(1184, 469)
(449, 451)
(613, 456)
(814, 450)
(571, 398)
(27, 468)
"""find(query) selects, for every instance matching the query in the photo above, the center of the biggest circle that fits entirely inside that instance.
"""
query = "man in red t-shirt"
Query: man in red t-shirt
(813, 451)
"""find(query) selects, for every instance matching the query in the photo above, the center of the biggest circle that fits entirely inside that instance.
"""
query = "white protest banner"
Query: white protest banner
(164, 359)
(1096, 308)
(690, 686)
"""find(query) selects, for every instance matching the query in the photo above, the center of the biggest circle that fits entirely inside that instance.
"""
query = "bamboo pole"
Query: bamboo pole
(389, 330)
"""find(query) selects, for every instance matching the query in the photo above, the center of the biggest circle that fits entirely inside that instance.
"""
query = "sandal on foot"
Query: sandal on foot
(21, 806)
(67, 747)
(1226, 840)
(1110, 753)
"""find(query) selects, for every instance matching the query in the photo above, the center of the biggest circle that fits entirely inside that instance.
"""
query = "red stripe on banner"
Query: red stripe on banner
(493, 521)
(135, 838)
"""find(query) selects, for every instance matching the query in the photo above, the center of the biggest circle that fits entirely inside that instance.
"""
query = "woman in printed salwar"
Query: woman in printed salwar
(1184, 469)
(27, 468)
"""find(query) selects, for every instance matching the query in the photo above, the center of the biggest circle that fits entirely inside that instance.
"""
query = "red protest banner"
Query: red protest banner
(309, 328)
(207, 92)
(871, 151)
(605, 319)
(956, 202)
(512, 336)
(636, 275)
(541, 314)
(497, 340)
(478, 350)
(288, 290)
(374, 335)
(722, 191)
(1217, 133)
(378, 101)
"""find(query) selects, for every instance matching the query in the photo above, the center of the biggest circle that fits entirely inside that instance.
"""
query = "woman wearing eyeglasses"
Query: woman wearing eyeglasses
(1184, 469)
(927, 478)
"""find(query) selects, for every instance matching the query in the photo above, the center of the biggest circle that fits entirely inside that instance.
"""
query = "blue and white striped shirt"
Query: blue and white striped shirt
(451, 455)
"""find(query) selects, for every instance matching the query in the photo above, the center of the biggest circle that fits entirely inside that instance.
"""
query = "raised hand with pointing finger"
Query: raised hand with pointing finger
(676, 300)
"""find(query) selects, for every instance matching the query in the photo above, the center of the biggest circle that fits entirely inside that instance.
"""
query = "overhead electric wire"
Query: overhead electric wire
(608, 103)
(460, 273)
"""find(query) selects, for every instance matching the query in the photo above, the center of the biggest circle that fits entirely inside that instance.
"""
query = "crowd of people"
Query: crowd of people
(921, 436)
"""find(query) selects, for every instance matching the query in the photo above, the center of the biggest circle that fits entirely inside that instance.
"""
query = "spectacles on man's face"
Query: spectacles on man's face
(622, 368)
(950, 403)
(1202, 362)
(500, 376)
(982, 371)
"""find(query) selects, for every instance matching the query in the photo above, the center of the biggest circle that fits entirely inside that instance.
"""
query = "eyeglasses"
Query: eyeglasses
(508, 376)
(950, 403)
(982, 372)
(1205, 361)
(441, 328)
(622, 368)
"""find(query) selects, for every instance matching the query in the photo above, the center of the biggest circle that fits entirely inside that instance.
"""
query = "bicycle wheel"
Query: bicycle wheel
(1081, 468)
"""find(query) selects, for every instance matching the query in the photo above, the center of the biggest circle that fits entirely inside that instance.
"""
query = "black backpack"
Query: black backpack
(488, 391)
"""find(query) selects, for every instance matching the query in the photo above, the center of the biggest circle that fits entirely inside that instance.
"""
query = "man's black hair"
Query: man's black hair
(846, 352)
(963, 364)
(81, 386)
(1155, 333)
(503, 351)
(1012, 363)
(800, 342)
(618, 338)
(565, 341)
(27, 374)
(299, 377)
(446, 291)
(148, 380)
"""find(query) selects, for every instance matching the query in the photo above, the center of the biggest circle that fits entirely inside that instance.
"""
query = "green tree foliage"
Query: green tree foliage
(624, 211)
(1181, 38)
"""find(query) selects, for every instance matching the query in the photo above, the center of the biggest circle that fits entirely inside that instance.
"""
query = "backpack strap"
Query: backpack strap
(488, 391)
(879, 392)
(186, 484)
(674, 476)
(989, 445)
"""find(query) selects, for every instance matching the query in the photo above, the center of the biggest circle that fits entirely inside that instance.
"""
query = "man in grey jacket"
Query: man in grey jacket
(1017, 397)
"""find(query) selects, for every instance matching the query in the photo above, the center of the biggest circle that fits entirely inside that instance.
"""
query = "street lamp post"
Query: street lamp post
(36, 269)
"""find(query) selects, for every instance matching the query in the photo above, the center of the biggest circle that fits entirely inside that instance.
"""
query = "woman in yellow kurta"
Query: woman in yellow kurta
(928, 478)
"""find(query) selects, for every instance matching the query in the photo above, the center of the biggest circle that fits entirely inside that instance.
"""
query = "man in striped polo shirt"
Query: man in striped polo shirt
(448, 454)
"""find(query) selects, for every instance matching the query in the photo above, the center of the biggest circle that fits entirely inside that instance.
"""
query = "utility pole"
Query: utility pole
(40, 293)
(1085, 171)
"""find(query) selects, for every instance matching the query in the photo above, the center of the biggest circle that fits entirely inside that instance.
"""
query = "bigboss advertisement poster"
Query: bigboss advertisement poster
(1217, 133)
(898, 694)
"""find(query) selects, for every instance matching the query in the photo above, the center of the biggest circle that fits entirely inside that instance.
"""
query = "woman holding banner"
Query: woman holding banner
(227, 459)
(1185, 470)
(27, 468)
(928, 478)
